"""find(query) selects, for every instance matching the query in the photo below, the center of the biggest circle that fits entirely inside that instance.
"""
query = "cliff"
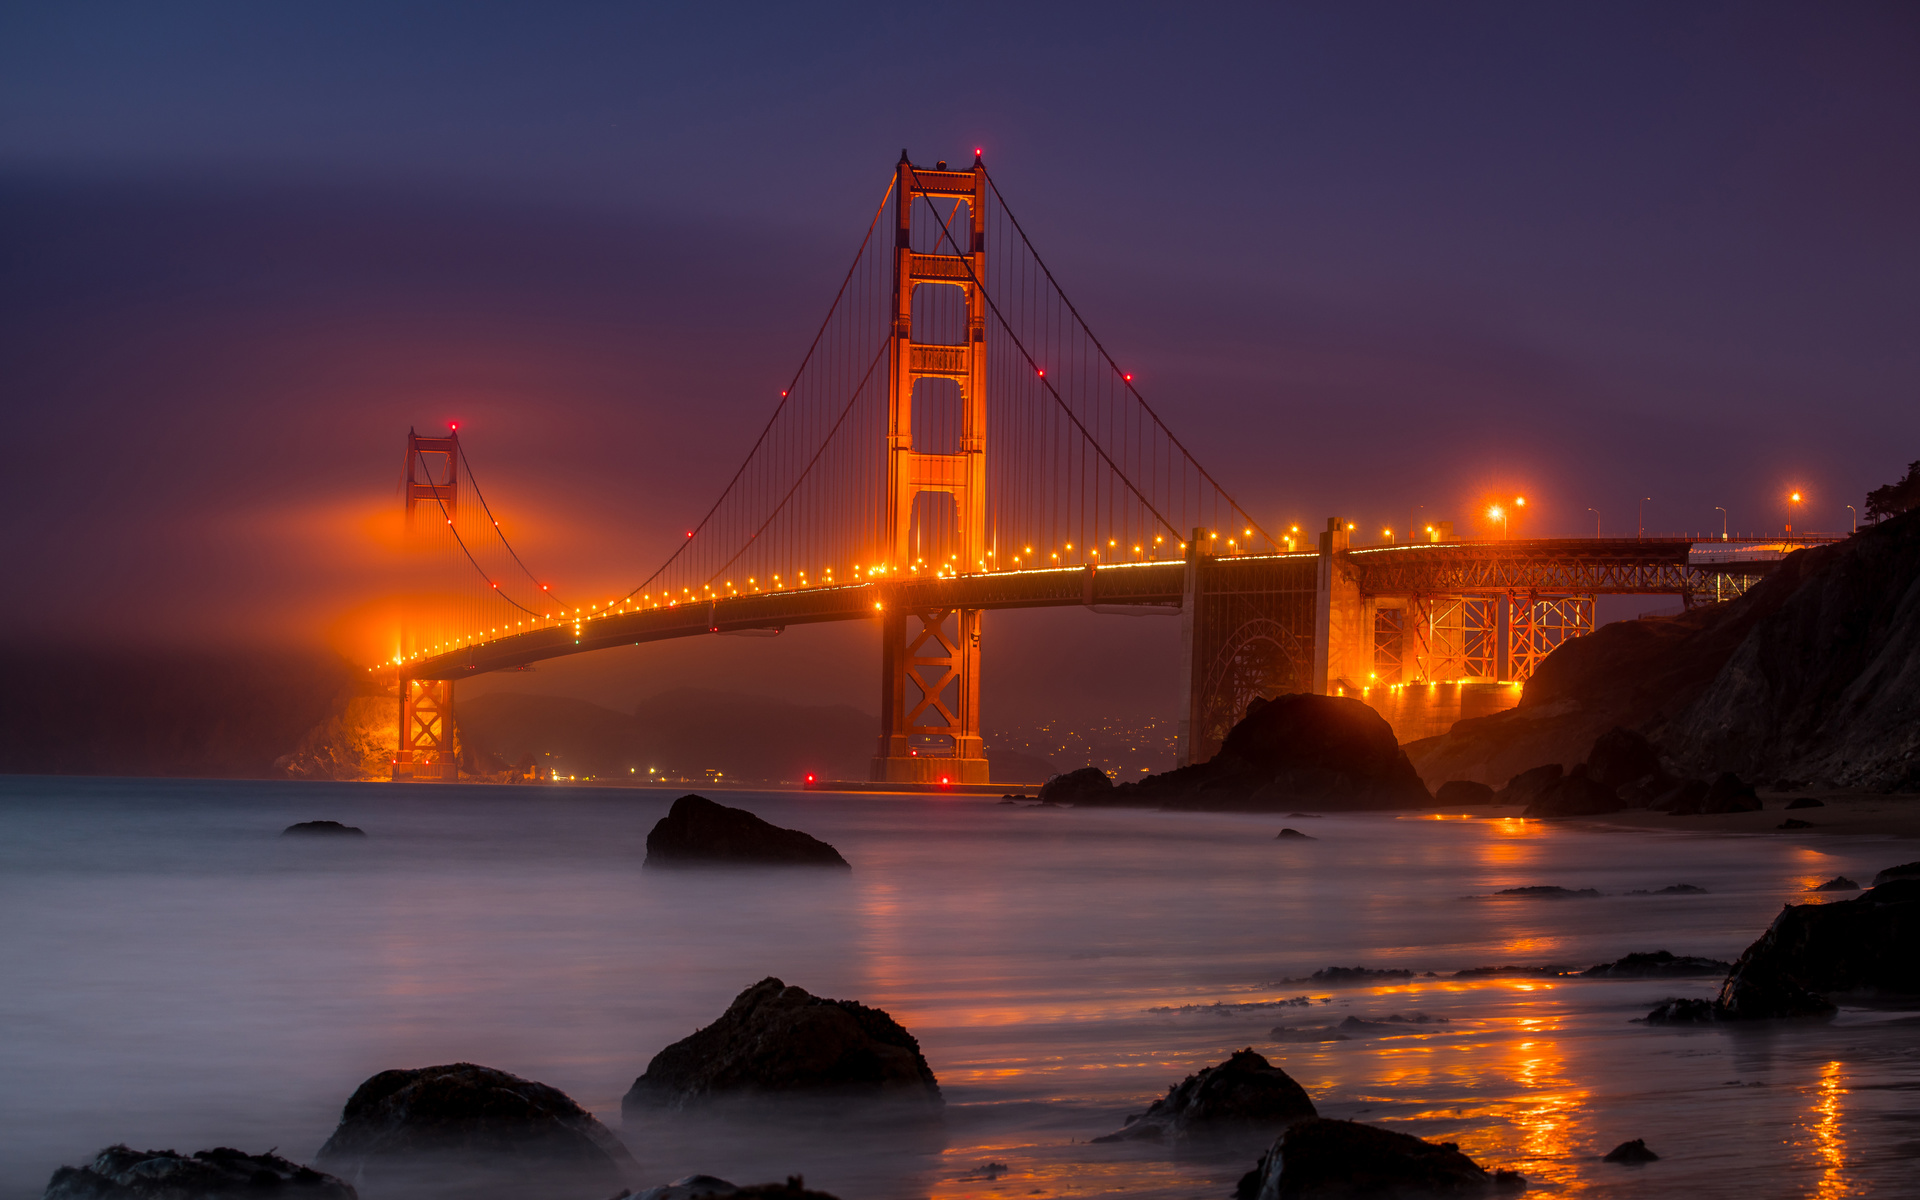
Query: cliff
(1812, 676)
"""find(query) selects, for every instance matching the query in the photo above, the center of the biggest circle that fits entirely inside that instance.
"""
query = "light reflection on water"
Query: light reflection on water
(173, 974)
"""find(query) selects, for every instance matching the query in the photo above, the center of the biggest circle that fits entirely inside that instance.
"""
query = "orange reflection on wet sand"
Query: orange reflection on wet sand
(1829, 1146)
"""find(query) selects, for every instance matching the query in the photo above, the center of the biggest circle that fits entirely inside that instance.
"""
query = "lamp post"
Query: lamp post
(1497, 513)
(1853, 520)
(1642, 531)
(1791, 501)
(1596, 522)
(1723, 521)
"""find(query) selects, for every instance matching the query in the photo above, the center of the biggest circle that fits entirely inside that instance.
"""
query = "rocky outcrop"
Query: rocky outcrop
(1839, 883)
(1813, 675)
(1088, 785)
(1245, 1094)
(1868, 945)
(441, 1124)
(1631, 1153)
(780, 1042)
(118, 1173)
(1660, 964)
(1321, 1159)
(1296, 751)
(322, 829)
(1903, 871)
(1621, 757)
(698, 832)
(1460, 793)
(693, 1187)
(1575, 794)
(1530, 785)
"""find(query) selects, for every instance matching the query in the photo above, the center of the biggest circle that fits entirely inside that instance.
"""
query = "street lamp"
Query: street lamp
(1642, 532)
(1791, 501)
(1723, 521)
(1596, 521)
(1853, 520)
(1497, 513)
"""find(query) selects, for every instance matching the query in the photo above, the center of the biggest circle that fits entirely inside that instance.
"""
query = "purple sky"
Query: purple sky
(1365, 257)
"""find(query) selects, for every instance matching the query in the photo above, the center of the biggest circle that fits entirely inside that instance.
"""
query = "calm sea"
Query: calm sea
(174, 974)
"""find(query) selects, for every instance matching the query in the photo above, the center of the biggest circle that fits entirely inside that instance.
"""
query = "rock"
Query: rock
(1295, 833)
(1869, 944)
(1727, 794)
(1298, 750)
(696, 831)
(1634, 1151)
(776, 1041)
(1322, 1159)
(1339, 976)
(692, 1187)
(1683, 799)
(445, 1121)
(118, 1173)
(1839, 883)
(1529, 785)
(1676, 889)
(687, 1187)
(1461, 793)
(1805, 802)
(1686, 1011)
(1245, 1094)
(1790, 823)
(322, 829)
(1574, 795)
(1620, 757)
(1548, 892)
(1316, 1033)
(1391, 1026)
(1084, 786)
(1660, 964)
(1903, 871)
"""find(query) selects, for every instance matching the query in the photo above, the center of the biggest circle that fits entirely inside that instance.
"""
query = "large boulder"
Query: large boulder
(443, 1127)
(1869, 945)
(1658, 964)
(696, 831)
(1727, 794)
(1530, 785)
(1455, 793)
(1903, 871)
(322, 829)
(1086, 785)
(1298, 751)
(1620, 757)
(1322, 1159)
(1245, 1094)
(1575, 794)
(780, 1042)
(118, 1173)
(695, 1187)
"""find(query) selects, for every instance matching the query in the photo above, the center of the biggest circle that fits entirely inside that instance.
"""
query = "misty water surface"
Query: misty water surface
(173, 974)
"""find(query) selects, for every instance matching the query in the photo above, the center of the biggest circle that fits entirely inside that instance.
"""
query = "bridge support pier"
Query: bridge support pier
(930, 698)
(428, 748)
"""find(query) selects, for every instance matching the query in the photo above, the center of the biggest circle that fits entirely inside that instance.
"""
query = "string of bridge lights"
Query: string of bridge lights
(827, 578)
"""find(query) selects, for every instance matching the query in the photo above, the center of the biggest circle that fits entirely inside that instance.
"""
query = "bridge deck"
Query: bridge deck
(1558, 566)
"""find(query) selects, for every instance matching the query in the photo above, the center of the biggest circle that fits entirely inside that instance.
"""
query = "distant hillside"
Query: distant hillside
(686, 733)
(1812, 676)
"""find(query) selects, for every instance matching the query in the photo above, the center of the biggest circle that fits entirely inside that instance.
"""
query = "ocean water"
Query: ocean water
(174, 974)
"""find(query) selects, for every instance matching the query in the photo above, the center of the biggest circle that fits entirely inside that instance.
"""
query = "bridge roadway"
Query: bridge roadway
(1549, 566)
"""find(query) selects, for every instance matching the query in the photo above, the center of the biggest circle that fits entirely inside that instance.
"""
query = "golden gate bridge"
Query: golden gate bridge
(956, 439)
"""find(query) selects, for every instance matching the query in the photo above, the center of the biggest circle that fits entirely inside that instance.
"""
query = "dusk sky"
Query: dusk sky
(1362, 257)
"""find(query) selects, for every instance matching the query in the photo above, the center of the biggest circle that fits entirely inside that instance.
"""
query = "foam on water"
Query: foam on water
(174, 974)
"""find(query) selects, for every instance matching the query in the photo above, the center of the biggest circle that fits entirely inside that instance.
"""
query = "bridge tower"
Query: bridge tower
(930, 659)
(428, 748)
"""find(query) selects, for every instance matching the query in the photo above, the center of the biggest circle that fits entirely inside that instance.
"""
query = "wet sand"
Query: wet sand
(1851, 813)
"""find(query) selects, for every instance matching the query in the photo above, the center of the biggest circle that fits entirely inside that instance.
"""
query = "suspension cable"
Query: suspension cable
(784, 397)
(1124, 380)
